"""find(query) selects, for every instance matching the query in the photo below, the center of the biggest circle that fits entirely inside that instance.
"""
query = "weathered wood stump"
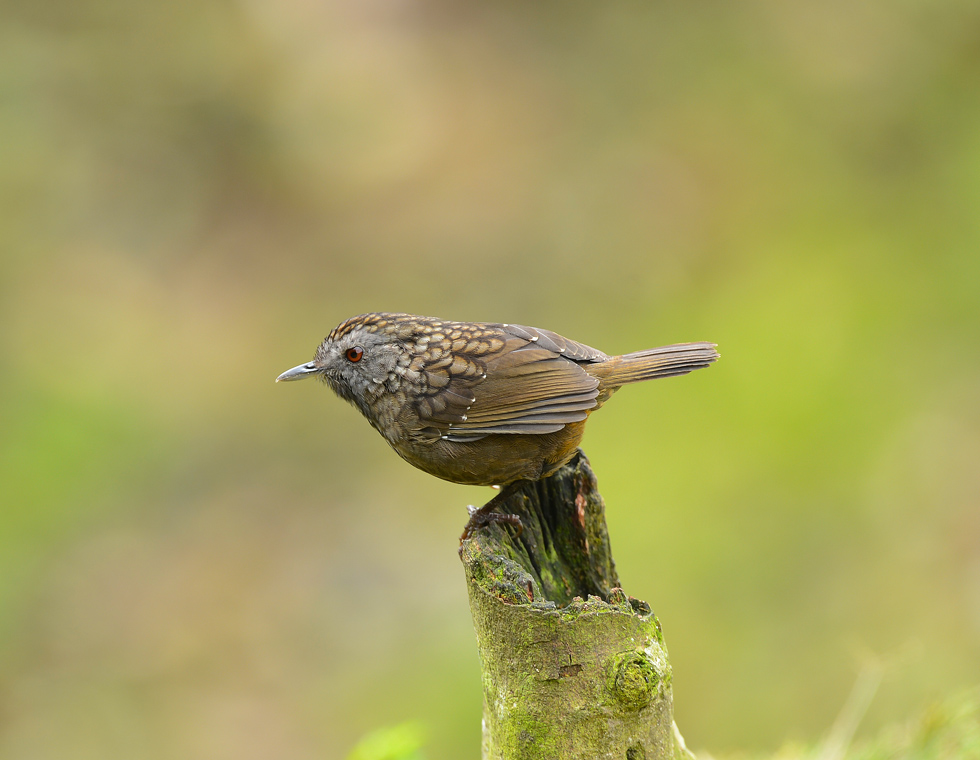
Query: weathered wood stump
(572, 666)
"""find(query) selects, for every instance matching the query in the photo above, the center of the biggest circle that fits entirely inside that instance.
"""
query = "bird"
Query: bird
(480, 403)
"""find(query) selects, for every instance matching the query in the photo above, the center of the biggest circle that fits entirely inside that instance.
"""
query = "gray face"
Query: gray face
(358, 365)
(366, 360)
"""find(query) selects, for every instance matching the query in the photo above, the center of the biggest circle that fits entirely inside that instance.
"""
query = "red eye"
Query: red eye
(355, 354)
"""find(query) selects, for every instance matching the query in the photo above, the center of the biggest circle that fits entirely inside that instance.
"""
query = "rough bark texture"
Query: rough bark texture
(572, 666)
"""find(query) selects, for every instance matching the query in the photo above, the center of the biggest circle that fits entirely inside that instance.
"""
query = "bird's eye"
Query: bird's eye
(354, 354)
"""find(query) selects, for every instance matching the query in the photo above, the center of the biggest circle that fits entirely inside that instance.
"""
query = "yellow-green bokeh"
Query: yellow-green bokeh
(196, 563)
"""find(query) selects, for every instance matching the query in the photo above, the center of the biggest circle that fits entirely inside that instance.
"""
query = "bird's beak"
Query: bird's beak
(298, 373)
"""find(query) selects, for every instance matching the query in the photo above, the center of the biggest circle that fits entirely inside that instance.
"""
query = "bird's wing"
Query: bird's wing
(531, 383)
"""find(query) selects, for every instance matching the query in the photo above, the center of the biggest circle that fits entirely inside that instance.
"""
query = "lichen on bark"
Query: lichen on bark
(572, 666)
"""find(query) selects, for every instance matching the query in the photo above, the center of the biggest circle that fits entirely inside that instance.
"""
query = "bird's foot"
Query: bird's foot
(484, 516)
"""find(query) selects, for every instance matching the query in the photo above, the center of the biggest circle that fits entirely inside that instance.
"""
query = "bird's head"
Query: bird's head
(357, 359)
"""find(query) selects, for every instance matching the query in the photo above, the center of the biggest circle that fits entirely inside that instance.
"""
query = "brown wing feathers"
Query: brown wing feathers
(538, 382)
(527, 390)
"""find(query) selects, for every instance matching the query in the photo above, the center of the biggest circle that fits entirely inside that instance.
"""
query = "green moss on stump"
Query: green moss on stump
(573, 667)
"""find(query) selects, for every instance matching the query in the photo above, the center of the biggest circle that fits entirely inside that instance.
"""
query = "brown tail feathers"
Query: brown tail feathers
(666, 361)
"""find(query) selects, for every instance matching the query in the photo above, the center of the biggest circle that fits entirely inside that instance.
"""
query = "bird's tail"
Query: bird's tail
(666, 361)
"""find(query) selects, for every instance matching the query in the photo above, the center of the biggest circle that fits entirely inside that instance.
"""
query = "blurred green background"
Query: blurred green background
(197, 563)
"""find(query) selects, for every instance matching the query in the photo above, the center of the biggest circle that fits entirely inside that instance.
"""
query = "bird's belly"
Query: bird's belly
(495, 459)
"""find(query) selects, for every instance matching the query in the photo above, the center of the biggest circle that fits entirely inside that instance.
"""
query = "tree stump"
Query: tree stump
(572, 666)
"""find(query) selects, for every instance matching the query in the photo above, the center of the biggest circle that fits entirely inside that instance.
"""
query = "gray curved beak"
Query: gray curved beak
(298, 373)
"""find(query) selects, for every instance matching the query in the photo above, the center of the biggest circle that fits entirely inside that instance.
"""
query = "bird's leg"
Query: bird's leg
(485, 515)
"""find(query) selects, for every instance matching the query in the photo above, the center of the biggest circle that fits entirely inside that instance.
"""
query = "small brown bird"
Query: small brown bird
(480, 403)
